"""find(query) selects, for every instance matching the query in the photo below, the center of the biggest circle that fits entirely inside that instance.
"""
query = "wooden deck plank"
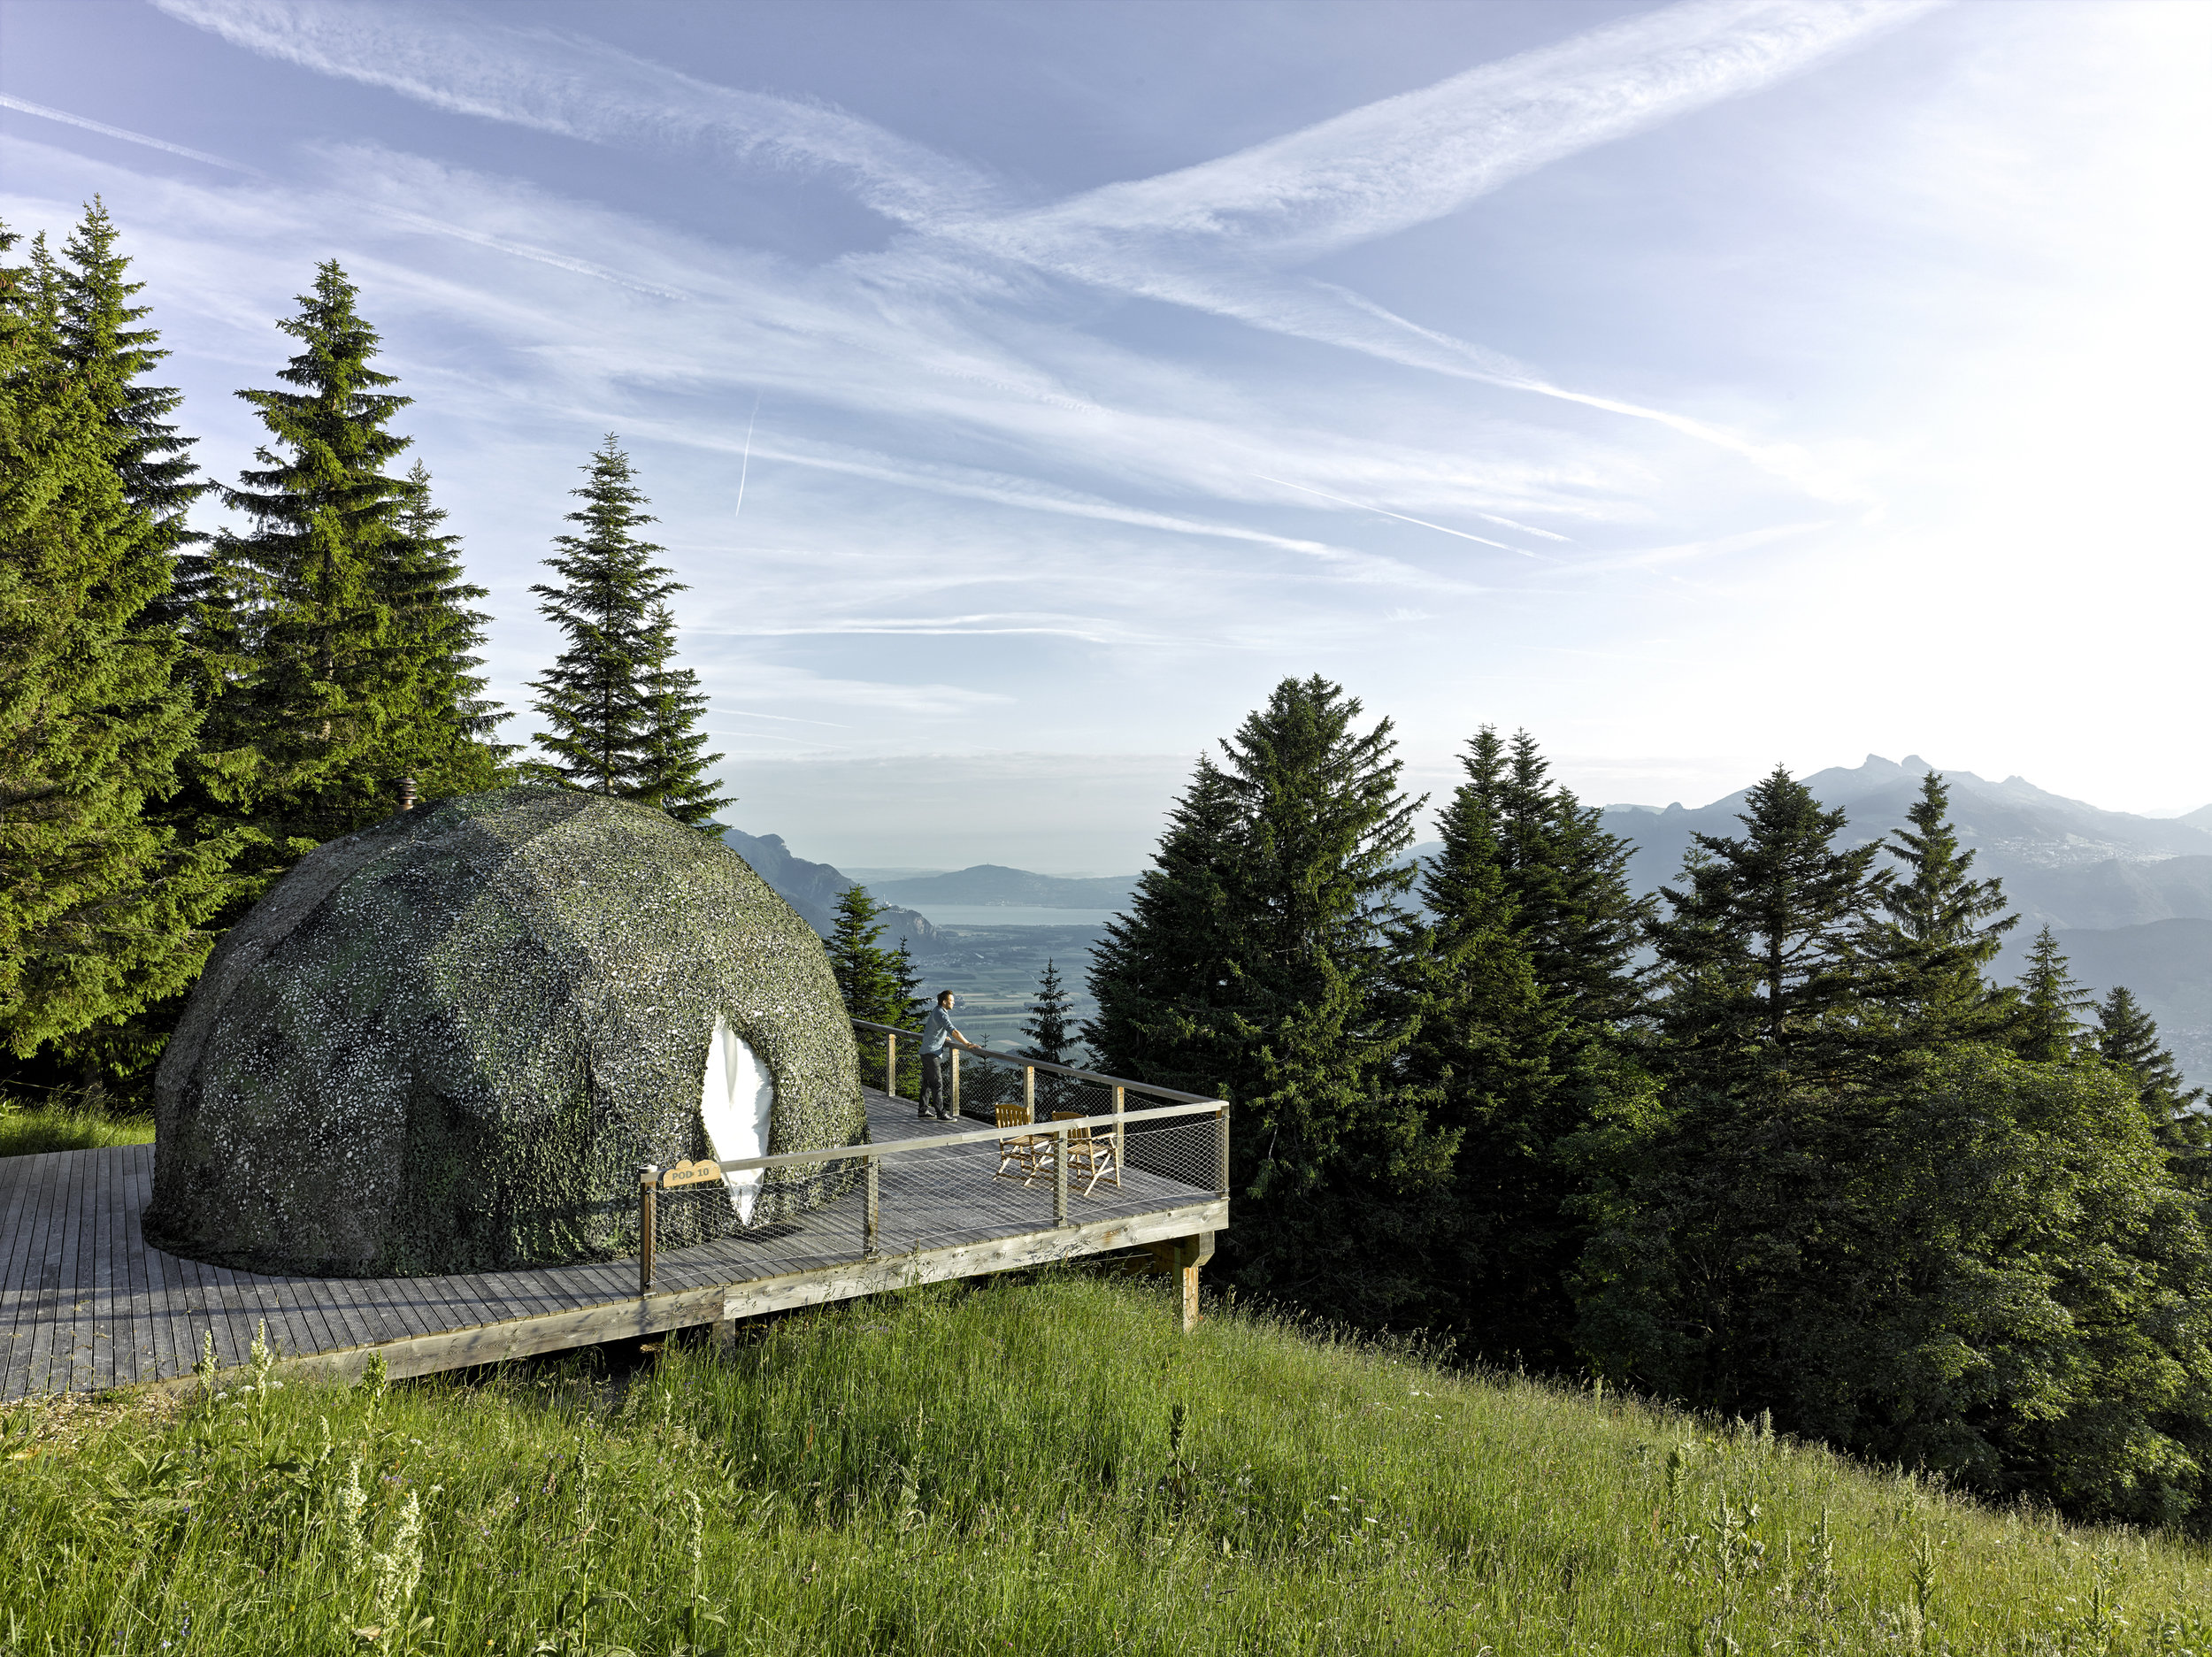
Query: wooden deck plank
(16, 1177)
(164, 1286)
(110, 1324)
(17, 1318)
(145, 1364)
(49, 1308)
(65, 1366)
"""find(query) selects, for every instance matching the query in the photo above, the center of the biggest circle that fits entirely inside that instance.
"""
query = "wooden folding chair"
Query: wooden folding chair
(1024, 1156)
(1088, 1154)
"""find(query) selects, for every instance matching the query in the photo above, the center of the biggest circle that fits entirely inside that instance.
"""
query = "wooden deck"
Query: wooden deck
(85, 1305)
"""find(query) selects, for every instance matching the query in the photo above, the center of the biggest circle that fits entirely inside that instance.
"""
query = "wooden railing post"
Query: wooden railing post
(891, 1065)
(955, 1077)
(647, 1179)
(1060, 1173)
(1221, 1151)
(1029, 1092)
(1121, 1103)
(875, 1203)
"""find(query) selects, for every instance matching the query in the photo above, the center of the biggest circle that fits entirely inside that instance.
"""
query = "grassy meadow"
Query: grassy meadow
(1034, 1465)
(27, 1130)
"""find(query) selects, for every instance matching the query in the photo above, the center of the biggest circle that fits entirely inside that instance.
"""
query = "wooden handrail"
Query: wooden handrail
(935, 1141)
(1060, 1070)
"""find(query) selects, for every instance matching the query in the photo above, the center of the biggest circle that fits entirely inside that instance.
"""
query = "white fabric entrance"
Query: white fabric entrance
(736, 1098)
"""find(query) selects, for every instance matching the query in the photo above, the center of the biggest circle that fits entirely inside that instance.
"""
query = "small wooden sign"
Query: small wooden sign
(703, 1172)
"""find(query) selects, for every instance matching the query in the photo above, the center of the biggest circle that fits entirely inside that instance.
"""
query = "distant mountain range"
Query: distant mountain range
(2064, 862)
(996, 886)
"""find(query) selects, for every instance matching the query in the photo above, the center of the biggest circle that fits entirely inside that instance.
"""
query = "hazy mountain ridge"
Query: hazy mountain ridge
(2064, 862)
(813, 888)
(996, 886)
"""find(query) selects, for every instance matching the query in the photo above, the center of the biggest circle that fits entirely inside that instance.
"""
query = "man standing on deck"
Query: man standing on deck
(939, 1038)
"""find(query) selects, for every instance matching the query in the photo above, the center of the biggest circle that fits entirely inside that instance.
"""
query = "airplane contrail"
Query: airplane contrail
(745, 465)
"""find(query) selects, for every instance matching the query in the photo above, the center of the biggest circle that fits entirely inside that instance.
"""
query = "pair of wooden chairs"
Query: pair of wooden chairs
(1028, 1156)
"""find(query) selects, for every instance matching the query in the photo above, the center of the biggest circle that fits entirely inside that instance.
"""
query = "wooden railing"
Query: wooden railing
(653, 1179)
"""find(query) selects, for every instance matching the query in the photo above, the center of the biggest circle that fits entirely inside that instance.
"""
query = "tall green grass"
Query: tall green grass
(1045, 1466)
(27, 1132)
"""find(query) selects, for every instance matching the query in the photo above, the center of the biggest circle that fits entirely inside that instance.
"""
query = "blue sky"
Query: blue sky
(1699, 386)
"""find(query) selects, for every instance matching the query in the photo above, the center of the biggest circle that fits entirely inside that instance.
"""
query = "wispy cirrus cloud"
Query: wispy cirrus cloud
(1217, 237)
(585, 89)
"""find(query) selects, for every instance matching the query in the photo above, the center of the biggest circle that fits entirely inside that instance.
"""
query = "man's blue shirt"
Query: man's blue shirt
(936, 1031)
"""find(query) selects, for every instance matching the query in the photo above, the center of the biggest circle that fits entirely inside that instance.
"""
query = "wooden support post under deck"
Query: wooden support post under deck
(1182, 1256)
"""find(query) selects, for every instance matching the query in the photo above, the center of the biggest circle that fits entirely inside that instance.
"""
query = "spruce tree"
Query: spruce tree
(98, 334)
(1050, 1031)
(1051, 1034)
(1337, 1162)
(348, 675)
(624, 716)
(1254, 964)
(672, 772)
(1483, 1049)
(1944, 929)
(101, 904)
(1761, 946)
(868, 975)
(1167, 975)
(1577, 916)
(2127, 1038)
(2048, 1028)
(436, 638)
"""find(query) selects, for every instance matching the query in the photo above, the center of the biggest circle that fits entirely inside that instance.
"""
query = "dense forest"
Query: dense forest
(1773, 1141)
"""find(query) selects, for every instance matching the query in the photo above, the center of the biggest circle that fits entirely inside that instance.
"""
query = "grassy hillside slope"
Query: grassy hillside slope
(1034, 1467)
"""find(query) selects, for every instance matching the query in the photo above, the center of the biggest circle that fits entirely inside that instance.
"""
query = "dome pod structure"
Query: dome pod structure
(446, 1042)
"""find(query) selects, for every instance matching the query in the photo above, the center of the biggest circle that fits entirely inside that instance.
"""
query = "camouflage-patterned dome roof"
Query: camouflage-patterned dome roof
(445, 1043)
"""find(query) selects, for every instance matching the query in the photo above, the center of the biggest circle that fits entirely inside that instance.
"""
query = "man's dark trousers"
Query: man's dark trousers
(936, 1072)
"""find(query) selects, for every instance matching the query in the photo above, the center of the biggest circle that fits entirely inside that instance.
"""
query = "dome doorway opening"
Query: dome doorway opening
(737, 1099)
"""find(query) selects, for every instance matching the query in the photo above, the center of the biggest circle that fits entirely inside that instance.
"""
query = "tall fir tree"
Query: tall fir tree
(868, 976)
(2126, 1038)
(437, 635)
(624, 716)
(1049, 1027)
(1294, 843)
(1942, 930)
(102, 904)
(1760, 947)
(1577, 915)
(1050, 1031)
(1716, 1209)
(99, 334)
(672, 772)
(1524, 985)
(2049, 1026)
(1166, 974)
(347, 681)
